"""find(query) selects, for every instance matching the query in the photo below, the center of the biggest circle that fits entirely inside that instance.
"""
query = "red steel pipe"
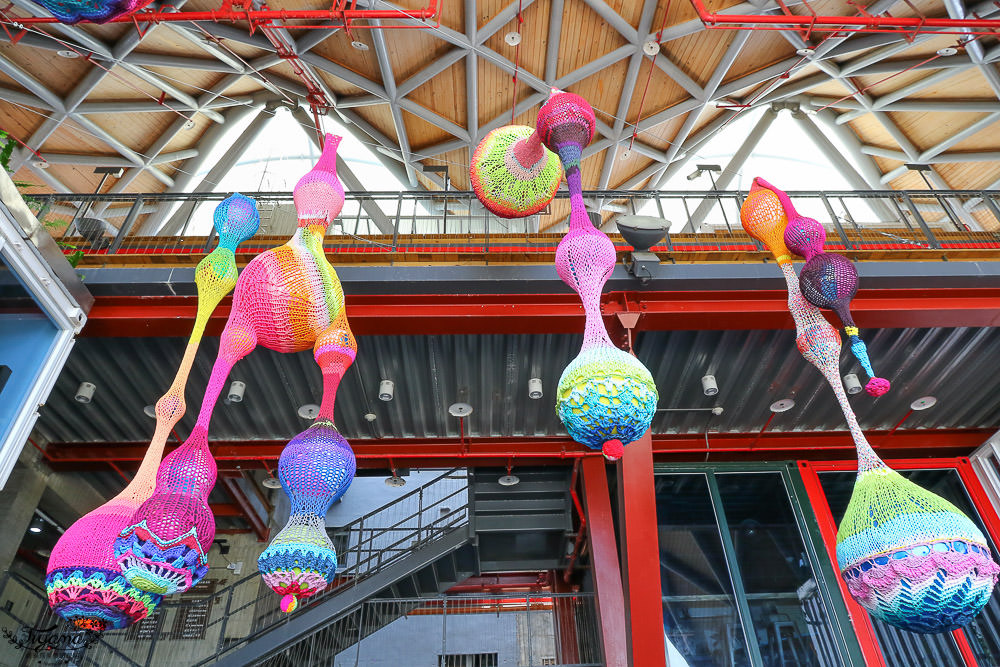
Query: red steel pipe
(863, 23)
(258, 16)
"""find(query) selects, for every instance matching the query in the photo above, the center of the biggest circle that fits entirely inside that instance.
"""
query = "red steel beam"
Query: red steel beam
(860, 23)
(641, 554)
(436, 452)
(604, 563)
(561, 313)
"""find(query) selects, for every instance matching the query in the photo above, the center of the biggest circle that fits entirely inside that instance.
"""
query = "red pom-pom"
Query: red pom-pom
(613, 450)
(877, 386)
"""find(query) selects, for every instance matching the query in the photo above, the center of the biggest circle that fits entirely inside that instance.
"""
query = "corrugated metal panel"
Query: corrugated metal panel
(753, 369)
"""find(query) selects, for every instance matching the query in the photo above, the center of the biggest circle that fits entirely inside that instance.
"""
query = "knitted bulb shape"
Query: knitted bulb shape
(513, 174)
(315, 469)
(92, 11)
(319, 195)
(803, 236)
(911, 558)
(84, 580)
(764, 219)
(605, 398)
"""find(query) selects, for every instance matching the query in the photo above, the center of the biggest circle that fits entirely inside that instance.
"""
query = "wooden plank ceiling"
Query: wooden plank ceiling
(427, 95)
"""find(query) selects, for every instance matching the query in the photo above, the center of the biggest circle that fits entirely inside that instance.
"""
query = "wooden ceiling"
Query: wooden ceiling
(154, 103)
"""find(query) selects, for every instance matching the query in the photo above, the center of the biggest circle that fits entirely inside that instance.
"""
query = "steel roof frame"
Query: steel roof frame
(873, 54)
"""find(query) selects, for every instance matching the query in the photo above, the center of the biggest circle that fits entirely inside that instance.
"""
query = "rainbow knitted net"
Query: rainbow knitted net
(94, 11)
(909, 557)
(513, 174)
(84, 581)
(827, 280)
(287, 299)
(606, 397)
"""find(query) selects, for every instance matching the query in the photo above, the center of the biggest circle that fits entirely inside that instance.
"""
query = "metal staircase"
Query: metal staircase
(418, 544)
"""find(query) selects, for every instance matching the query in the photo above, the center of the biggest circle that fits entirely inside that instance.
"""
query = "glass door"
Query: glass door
(741, 584)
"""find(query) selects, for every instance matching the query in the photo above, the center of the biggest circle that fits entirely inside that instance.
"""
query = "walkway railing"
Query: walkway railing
(208, 620)
(453, 226)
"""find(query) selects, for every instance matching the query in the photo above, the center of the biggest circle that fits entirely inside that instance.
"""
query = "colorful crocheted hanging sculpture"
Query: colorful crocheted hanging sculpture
(909, 557)
(827, 280)
(93, 11)
(513, 174)
(606, 397)
(84, 581)
(287, 299)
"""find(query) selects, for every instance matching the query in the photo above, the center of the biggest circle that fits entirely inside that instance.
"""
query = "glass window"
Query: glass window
(902, 648)
(700, 617)
(789, 613)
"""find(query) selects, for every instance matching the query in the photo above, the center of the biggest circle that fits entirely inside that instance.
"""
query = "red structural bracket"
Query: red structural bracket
(864, 23)
(713, 310)
(342, 15)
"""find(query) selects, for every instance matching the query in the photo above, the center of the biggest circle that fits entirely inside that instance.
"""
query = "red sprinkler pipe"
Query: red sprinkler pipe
(908, 25)
(257, 17)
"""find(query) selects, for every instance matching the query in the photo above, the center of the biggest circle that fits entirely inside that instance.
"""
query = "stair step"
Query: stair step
(510, 505)
(524, 522)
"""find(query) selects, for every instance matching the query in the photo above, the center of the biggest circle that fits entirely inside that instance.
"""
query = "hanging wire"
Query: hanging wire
(517, 61)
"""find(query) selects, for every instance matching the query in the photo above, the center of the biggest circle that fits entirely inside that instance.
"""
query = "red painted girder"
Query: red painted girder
(425, 452)
(562, 313)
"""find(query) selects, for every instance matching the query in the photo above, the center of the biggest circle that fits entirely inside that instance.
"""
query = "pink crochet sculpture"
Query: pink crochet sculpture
(84, 580)
(605, 398)
(827, 280)
(288, 299)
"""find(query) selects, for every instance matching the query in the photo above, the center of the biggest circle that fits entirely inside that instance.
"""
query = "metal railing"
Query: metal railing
(389, 226)
(197, 628)
(524, 629)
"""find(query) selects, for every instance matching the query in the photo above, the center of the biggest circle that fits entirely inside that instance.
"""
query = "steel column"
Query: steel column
(641, 554)
(604, 562)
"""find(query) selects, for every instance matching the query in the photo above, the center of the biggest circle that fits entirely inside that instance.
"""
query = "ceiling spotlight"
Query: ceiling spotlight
(512, 38)
(236, 390)
(709, 386)
(308, 411)
(271, 483)
(460, 409)
(386, 389)
(37, 524)
(852, 384)
(85, 392)
(67, 53)
(535, 388)
(370, 417)
(509, 480)
(359, 45)
(923, 403)
(40, 164)
(651, 48)
(150, 411)
(782, 405)
(805, 52)
(947, 51)
(395, 481)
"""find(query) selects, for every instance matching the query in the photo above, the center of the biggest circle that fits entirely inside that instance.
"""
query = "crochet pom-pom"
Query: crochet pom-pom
(289, 603)
(613, 450)
(877, 386)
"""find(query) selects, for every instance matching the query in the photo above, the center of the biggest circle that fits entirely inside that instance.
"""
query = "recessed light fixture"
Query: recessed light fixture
(947, 51)
(370, 417)
(67, 53)
(460, 409)
(512, 38)
(271, 483)
(37, 524)
(85, 392)
(150, 411)
(308, 411)
(509, 480)
(782, 405)
(650, 48)
(805, 52)
(359, 45)
(923, 403)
